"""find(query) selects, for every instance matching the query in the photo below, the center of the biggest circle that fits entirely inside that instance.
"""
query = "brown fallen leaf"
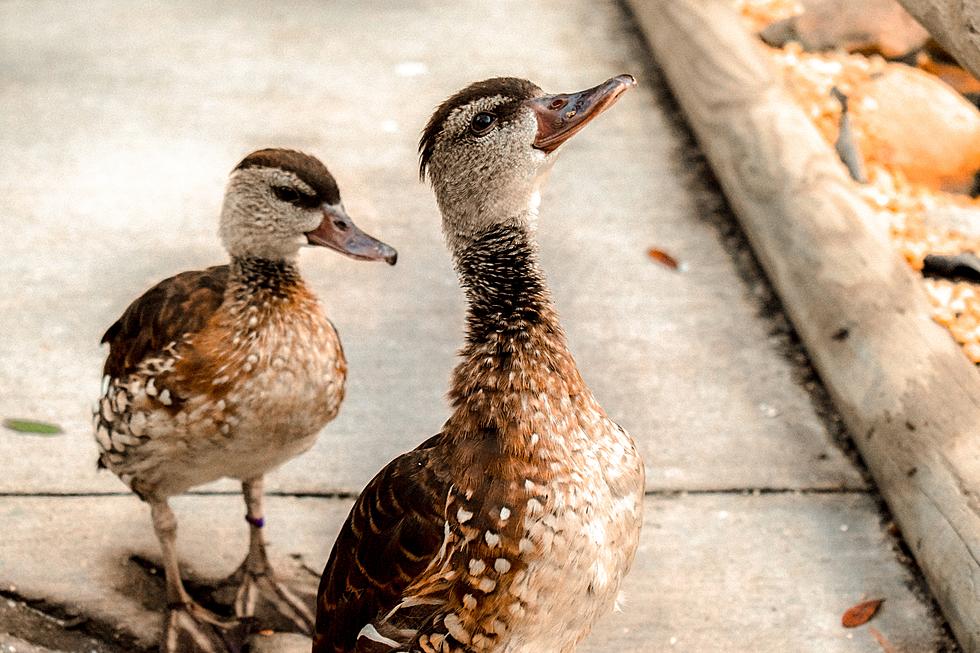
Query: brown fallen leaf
(861, 613)
(950, 73)
(883, 642)
(663, 258)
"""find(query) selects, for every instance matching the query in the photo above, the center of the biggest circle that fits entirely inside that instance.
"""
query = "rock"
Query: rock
(916, 124)
(781, 32)
(881, 26)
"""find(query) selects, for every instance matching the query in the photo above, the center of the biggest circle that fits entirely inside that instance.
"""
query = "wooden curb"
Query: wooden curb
(910, 398)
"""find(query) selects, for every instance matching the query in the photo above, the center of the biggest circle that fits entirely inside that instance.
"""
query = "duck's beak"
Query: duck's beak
(337, 231)
(561, 116)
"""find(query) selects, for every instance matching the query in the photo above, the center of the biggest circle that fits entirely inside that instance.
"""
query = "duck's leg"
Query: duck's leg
(258, 580)
(188, 627)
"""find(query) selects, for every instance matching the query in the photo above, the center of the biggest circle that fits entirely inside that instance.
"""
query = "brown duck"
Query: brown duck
(230, 372)
(511, 530)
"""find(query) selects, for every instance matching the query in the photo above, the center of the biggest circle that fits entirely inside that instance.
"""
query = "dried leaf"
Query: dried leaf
(32, 427)
(663, 258)
(964, 266)
(861, 613)
(883, 642)
(962, 81)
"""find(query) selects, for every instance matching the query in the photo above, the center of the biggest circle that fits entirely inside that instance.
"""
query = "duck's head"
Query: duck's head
(485, 149)
(280, 200)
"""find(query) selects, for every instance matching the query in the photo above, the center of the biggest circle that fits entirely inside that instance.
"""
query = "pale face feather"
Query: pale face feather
(257, 223)
(490, 180)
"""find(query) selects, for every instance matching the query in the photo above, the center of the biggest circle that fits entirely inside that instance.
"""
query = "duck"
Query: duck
(510, 530)
(230, 372)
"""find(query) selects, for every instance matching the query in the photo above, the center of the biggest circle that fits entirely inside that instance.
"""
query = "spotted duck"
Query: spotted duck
(511, 530)
(230, 372)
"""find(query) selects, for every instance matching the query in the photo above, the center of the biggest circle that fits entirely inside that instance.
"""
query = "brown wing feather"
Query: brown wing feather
(165, 313)
(392, 533)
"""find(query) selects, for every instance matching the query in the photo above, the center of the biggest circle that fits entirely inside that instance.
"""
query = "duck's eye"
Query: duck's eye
(287, 194)
(482, 122)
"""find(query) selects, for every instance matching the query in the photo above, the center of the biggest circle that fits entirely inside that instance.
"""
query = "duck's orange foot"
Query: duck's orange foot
(189, 628)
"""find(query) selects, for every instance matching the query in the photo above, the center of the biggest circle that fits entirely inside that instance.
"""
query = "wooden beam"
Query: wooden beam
(955, 24)
(909, 396)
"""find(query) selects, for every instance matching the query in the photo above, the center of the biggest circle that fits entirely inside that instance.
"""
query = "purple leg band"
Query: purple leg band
(258, 522)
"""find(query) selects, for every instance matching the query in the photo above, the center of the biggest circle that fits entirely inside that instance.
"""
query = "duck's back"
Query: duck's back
(178, 306)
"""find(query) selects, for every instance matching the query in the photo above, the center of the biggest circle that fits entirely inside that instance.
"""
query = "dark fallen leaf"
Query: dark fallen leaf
(883, 642)
(663, 258)
(31, 426)
(861, 613)
(961, 266)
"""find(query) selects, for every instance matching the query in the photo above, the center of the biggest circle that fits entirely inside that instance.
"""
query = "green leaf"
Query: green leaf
(30, 426)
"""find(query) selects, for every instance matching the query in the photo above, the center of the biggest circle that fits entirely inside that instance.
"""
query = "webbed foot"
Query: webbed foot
(190, 628)
(260, 591)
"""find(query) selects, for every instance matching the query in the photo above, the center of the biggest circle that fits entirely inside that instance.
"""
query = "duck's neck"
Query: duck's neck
(266, 285)
(506, 292)
(516, 371)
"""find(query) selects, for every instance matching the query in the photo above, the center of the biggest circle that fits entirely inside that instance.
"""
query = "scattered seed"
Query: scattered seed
(906, 210)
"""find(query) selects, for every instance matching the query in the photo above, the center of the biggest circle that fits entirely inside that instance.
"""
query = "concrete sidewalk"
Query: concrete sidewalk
(119, 125)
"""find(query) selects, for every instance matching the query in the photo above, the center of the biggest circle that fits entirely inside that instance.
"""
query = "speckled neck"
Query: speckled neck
(259, 279)
(505, 288)
(516, 368)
